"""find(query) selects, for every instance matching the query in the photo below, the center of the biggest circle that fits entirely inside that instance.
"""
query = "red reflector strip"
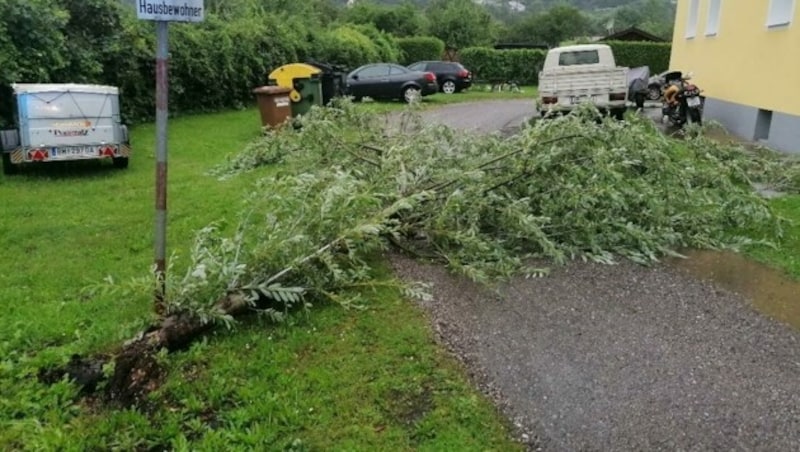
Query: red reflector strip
(37, 155)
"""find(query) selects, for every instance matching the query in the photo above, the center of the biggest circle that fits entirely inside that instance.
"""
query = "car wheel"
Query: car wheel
(411, 94)
(449, 87)
(654, 92)
(695, 116)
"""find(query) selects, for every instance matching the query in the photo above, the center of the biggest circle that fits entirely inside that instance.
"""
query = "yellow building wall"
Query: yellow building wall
(746, 62)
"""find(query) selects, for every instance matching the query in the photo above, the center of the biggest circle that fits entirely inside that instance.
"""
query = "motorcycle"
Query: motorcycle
(682, 102)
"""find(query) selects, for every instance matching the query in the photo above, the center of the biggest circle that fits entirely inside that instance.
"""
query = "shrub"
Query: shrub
(632, 54)
(519, 65)
(346, 46)
(385, 44)
(420, 48)
(213, 65)
(216, 65)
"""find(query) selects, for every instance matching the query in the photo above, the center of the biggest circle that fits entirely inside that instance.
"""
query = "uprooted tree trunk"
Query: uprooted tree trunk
(135, 369)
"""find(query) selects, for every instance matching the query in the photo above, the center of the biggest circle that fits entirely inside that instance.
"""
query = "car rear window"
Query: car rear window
(579, 57)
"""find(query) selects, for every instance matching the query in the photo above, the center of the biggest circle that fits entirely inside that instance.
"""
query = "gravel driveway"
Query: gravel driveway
(504, 116)
(623, 357)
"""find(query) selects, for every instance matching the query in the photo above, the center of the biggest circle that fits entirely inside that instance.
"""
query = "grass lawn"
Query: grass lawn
(476, 93)
(331, 379)
(787, 255)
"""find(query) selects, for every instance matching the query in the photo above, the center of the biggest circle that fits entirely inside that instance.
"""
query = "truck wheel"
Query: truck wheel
(8, 167)
(639, 99)
(618, 114)
(121, 162)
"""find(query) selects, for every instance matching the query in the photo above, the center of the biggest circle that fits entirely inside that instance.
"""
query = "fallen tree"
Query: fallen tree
(342, 189)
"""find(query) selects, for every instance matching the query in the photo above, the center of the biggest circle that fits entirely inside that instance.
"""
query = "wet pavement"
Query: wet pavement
(623, 357)
(702, 354)
(770, 291)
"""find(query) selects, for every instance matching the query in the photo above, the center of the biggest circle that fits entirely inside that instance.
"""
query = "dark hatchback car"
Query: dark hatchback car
(390, 81)
(452, 77)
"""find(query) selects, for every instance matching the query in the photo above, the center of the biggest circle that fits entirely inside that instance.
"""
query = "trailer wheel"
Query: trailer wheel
(8, 167)
(120, 162)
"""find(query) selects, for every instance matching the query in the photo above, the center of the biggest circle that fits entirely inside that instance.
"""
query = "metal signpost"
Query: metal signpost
(163, 12)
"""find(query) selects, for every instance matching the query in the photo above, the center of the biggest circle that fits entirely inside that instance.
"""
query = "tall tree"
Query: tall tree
(551, 27)
(405, 19)
(460, 23)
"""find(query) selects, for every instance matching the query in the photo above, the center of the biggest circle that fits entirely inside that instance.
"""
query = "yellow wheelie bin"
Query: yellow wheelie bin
(305, 83)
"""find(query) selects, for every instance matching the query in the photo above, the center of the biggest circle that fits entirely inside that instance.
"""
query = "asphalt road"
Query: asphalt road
(624, 357)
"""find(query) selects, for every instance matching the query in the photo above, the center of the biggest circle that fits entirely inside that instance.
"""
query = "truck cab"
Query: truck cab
(572, 75)
(60, 122)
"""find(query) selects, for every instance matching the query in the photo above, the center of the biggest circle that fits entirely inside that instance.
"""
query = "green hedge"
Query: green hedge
(346, 46)
(518, 65)
(523, 65)
(213, 65)
(420, 48)
(385, 44)
(632, 54)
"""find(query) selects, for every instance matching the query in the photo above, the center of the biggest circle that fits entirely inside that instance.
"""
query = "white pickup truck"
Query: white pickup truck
(572, 75)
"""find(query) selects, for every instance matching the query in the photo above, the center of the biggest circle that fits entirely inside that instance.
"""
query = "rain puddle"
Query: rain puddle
(770, 291)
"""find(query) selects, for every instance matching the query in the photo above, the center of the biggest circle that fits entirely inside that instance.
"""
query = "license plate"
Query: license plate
(73, 151)
(579, 99)
(693, 101)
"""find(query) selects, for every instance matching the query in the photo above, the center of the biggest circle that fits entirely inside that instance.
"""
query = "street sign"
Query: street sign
(163, 12)
(171, 10)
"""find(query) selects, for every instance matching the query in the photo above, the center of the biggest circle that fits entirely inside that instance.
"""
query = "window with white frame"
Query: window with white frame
(780, 13)
(712, 22)
(691, 21)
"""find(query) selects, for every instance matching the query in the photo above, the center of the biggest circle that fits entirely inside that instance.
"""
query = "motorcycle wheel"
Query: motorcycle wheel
(695, 116)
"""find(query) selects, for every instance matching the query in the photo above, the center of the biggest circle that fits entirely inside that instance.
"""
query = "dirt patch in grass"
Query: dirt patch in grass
(408, 405)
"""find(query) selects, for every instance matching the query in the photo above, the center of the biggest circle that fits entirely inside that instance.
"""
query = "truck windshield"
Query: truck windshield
(578, 57)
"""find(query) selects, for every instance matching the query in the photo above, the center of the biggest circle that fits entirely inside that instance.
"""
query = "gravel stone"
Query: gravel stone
(622, 357)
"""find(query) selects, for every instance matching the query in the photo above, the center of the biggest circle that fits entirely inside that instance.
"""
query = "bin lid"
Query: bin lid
(270, 89)
(285, 75)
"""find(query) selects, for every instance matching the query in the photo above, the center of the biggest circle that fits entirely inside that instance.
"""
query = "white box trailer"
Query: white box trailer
(58, 122)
